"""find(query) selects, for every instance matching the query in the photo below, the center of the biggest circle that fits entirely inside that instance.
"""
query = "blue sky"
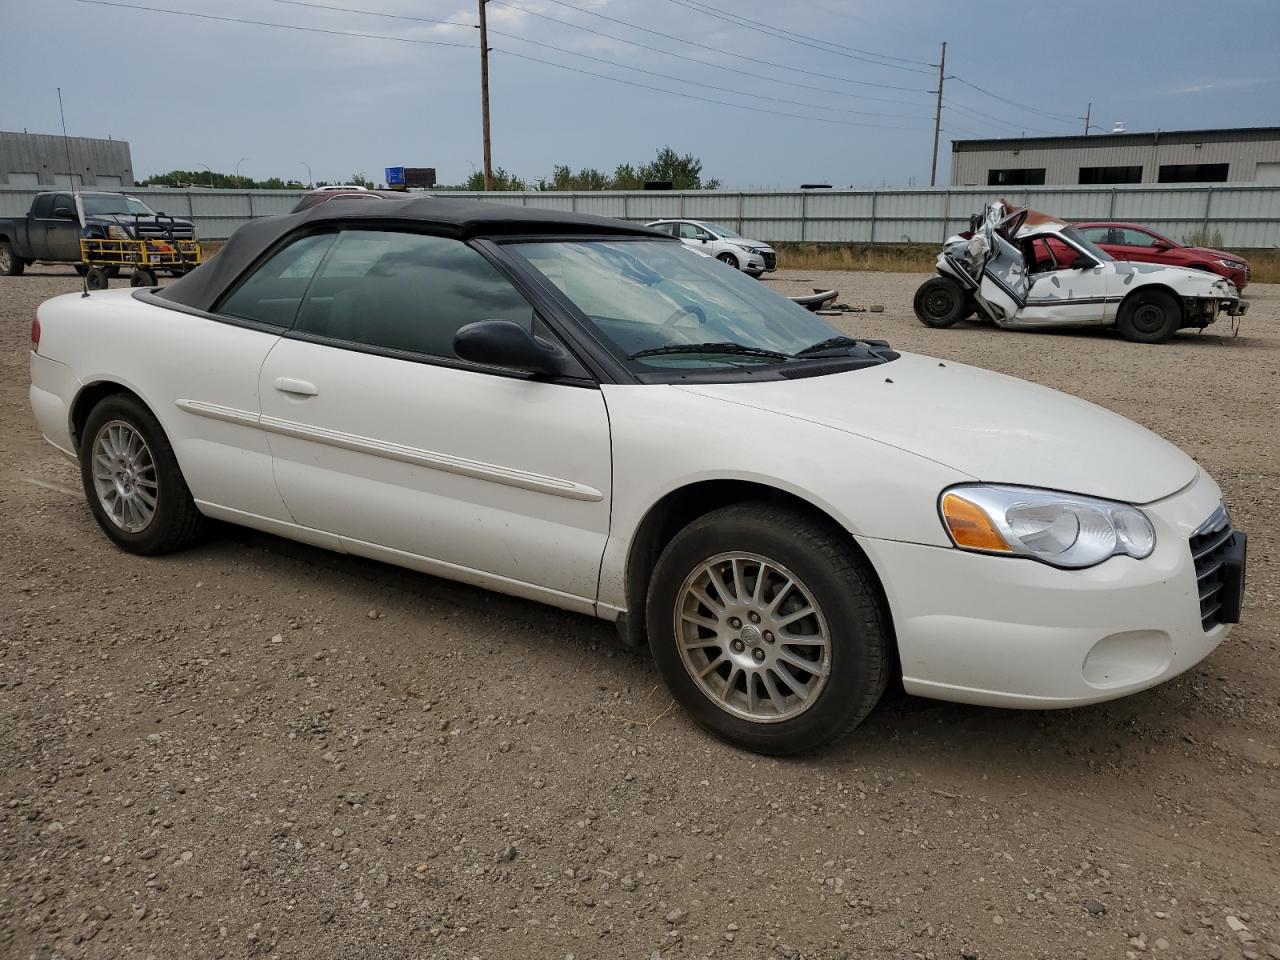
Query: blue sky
(186, 91)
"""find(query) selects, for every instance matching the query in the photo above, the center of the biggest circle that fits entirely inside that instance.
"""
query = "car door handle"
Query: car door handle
(299, 388)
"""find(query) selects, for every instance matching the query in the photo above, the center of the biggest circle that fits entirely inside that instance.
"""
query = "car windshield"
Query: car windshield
(1078, 238)
(97, 205)
(721, 230)
(658, 308)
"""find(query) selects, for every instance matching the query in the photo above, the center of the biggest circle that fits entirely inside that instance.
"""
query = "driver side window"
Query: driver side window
(689, 232)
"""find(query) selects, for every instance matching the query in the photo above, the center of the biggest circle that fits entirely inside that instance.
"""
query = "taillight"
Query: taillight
(35, 334)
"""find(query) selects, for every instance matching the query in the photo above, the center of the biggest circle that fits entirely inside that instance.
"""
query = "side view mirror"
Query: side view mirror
(1161, 245)
(64, 213)
(501, 343)
(1083, 263)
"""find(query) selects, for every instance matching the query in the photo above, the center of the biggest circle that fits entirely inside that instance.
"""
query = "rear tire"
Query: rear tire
(120, 476)
(724, 661)
(96, 279)
(11, 265)
(1149, 317)
(728, 258)
(941, 302)
(142, 277)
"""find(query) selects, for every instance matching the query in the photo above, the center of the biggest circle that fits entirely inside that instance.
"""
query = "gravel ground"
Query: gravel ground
(259, 749)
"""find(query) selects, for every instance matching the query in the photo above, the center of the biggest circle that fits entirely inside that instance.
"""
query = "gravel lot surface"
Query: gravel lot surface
(260, 749)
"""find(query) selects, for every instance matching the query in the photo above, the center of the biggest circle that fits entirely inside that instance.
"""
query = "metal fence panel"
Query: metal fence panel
(1247, 216)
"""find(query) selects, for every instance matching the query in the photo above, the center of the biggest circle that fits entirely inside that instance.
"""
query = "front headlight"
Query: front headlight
(1232, 264)
(1060, 529)
(743, 246)
(116, 232)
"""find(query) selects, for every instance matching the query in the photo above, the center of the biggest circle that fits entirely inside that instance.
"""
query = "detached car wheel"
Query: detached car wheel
(767, 628)
(131, 478)
(1149, 317)
(941, 302)
(11, 265)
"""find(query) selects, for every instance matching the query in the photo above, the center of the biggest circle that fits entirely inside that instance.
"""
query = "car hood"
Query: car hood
(1184, 280)
(986, 425)
(128, 218)
(1212, 254)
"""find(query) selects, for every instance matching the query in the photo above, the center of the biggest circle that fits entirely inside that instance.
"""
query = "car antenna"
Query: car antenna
(75, 193)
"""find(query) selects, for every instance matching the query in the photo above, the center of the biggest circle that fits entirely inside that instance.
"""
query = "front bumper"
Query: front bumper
(759, 261)
(1009, 632)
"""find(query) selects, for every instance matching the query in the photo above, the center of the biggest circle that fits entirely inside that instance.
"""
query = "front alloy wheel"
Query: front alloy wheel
(768, 627)
(752, 637)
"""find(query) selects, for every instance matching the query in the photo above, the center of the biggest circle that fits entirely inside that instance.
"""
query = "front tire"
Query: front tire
(766, 626)
(132, 481)
(941, 302)
(728, 258)
(1149, 317)
(11, 265)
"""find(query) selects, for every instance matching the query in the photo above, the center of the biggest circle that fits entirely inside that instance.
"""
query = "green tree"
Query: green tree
(360, 180)
(685, 173)
(501, 181)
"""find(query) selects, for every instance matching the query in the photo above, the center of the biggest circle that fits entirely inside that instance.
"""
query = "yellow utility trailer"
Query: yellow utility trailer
(104, 257)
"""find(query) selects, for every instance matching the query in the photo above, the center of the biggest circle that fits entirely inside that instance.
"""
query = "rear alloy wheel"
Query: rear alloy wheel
(728, 258)
(941, 302)
(1149, 317)
(767, 628)
(131, 478)
(11, 265)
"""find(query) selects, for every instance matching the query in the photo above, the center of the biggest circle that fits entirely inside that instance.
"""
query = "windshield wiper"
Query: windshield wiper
(831, 343)
(736, 349)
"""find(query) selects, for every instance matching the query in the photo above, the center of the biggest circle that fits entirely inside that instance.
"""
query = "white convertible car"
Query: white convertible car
(576, 411)
(1021, 269)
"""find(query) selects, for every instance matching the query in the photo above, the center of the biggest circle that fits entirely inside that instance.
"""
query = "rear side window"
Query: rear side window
(406, 292)
(43, 207)
(274, 291)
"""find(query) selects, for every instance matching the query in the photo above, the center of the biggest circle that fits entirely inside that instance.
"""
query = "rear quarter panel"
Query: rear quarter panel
(164, 356)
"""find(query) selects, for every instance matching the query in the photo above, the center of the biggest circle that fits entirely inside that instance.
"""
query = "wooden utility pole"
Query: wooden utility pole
(1088, 112)
(484, 96)
(937, 117)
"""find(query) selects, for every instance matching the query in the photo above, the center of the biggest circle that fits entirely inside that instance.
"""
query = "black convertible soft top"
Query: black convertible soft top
(463, 219)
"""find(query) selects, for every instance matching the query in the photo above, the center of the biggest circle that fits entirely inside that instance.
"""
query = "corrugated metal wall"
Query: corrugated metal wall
(1246, 216)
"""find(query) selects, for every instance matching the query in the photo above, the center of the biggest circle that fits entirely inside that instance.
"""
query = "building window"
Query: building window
(1016, 177)
(1111, 174)
(1193, 172)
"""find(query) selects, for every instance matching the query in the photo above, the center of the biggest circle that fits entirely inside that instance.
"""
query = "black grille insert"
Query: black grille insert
(770, 261)
(1210, 547)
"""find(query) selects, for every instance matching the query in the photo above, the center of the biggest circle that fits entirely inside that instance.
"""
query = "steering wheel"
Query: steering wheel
(689, 309)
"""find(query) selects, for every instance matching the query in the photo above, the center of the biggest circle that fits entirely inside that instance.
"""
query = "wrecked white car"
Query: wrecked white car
(1021, 269)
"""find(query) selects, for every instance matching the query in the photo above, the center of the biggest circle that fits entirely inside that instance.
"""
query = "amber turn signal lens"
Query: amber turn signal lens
(970, 526)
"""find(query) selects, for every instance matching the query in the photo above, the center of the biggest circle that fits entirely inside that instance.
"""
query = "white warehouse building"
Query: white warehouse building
(1240, 155)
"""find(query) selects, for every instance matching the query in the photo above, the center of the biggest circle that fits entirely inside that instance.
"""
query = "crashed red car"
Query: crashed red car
(1132, 241)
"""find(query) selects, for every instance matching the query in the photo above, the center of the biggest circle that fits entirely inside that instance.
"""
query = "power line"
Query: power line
(510, 53)
(690, 96)
(710, 86)
(264, 23)
(611, 63)
(741, 56)
(994, 119)
(372, 13)
(803, 40)
(705, 63)
(1014, 103)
